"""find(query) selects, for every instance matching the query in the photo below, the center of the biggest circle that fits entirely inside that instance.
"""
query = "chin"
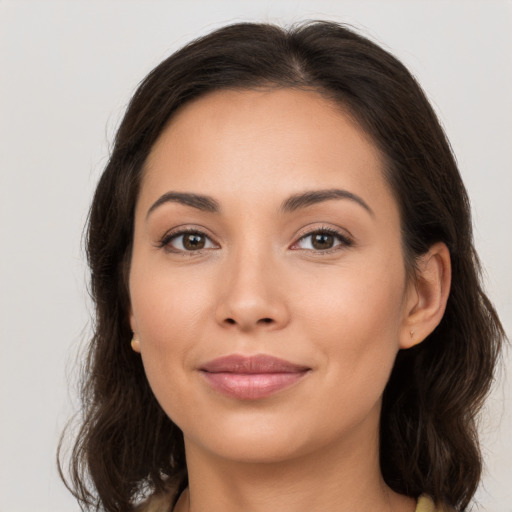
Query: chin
(253, 449)
(248, 435)
(258, 437)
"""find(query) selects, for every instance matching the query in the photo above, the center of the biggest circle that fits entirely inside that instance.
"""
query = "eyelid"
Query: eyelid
(165, 241)
(345, 238)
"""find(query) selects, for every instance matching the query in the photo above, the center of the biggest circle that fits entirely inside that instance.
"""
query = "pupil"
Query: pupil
(193, 242)
(323, 241)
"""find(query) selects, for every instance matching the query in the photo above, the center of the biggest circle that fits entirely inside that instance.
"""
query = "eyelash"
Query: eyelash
(345, 241)
(165, 242)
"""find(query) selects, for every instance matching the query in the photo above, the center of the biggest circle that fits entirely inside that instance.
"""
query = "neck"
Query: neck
(340, 478)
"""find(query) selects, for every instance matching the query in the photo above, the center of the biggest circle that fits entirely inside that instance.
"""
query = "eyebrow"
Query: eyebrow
(201, 202)
(293, 203)
(306, 199)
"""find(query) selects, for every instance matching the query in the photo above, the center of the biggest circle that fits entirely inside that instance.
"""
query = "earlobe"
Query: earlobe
(135, 343)
(427, 301)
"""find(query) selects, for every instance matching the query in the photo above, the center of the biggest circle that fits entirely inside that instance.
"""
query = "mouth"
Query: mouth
(253, 377)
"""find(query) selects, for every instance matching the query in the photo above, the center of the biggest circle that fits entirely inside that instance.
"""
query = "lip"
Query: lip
(251, 377)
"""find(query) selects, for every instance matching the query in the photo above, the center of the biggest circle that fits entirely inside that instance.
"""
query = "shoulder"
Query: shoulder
(426, 504)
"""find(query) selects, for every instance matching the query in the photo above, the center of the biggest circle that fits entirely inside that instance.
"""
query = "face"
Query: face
(267, 282)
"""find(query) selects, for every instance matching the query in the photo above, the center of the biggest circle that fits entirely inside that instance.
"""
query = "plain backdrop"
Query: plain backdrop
(67, 70)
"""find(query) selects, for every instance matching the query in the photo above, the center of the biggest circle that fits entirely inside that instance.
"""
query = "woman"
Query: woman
(289, 310)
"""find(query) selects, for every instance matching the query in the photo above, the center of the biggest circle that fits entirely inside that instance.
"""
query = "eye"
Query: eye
(187, 241)
(322, 240)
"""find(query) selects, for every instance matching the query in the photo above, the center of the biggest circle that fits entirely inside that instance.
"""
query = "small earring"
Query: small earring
(412, 334)
(135, 343)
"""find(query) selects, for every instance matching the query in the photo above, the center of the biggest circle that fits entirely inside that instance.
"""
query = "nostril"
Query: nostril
(266, 320)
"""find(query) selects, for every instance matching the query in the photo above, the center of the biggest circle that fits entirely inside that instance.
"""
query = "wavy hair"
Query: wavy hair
(127, 447)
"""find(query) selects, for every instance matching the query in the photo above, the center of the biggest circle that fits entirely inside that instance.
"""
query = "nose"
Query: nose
(252, 295)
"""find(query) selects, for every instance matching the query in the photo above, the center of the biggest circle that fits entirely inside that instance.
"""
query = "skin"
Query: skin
(260, 286)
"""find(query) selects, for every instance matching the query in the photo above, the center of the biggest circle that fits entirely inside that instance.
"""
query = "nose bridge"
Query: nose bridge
(251, 295)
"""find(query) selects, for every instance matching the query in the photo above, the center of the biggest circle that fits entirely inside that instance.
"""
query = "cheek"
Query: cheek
(168, 312)
(355, 317)
(166, 305)
(356, 299)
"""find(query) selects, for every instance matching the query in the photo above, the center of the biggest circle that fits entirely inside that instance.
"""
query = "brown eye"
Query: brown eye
(322, 241)
(194, 241)
(187, 241)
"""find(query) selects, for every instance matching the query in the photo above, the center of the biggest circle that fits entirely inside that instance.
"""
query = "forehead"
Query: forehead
(263, 143)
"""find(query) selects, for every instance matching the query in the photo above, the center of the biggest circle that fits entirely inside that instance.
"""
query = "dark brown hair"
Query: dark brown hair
(127, 447)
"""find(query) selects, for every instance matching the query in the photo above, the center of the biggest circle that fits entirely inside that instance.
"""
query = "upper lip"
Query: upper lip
(251, 365)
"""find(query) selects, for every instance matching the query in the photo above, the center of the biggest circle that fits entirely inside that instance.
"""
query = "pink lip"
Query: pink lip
(251, 378)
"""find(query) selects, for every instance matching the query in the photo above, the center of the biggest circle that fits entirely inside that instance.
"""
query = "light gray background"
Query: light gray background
(67, 70)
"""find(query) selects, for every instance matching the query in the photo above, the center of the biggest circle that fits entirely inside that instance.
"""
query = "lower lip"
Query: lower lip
(251, 386)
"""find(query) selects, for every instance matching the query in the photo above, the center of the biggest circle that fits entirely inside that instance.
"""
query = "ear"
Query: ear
(427, 296)
(135, 343)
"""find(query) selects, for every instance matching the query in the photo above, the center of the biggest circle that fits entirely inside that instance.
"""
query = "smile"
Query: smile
(251, 378)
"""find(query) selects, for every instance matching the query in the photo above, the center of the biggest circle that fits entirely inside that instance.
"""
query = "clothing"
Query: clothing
(425, 504)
